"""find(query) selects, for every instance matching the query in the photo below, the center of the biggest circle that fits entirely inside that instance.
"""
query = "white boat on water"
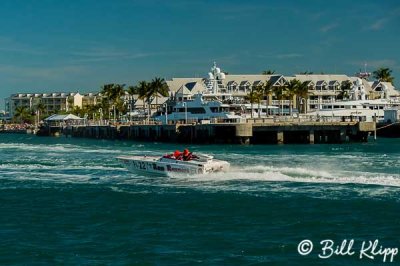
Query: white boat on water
(360, 110)
(198, 164)
(198, 109)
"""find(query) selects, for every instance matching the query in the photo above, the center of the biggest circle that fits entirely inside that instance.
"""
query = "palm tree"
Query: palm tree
(267, 90)
(133, 90)
(158, 86)
(254, 96)
(22, 114)
(344, 90)
(143, 91)
(307, 73)
(383, 74)
(106, 90)
(259, 95)
(268, 72)
(113, 93)
(40, 108)
(280, 92)
(291, 91)
(302, 93)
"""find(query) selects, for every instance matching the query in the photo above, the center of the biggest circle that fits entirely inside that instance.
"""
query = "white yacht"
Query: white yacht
(361, 110)
(197, 109)
(247, 110)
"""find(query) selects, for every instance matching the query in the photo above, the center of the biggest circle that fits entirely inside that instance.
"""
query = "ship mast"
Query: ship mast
(214, 76)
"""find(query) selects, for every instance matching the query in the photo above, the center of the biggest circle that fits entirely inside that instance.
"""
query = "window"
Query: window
(197, 110)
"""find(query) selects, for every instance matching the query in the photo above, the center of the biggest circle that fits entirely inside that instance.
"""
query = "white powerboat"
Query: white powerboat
(198, 164)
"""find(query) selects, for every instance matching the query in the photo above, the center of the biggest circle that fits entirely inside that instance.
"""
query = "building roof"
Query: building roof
(257, 83)
(275, 80)
(44, 95)
(231, 83)
(176, 83)
(159, 100)
(56, 117)
(183, 90)
(190, 85)
(326, 77)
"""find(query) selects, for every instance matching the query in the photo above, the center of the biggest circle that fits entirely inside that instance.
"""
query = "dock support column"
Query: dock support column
(342, 135)
(243, 133)
(245, 140)
(312, 141)
(279, 137)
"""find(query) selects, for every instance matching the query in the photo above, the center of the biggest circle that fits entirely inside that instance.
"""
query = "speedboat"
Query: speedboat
(197, 164)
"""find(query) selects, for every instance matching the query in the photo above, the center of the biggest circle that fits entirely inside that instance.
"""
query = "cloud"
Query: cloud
(112, 58)
(290, 55)
(106, 54)
(329, 27)
(11, 45)
(316, 16)
(280, 56)
(378, 25)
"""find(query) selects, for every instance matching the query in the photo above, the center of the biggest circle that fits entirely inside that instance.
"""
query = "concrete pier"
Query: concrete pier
(246, 133)
(311, 137)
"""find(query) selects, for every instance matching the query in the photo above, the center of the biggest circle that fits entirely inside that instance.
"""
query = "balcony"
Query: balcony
(320, 101)
(281, 102)
(323, 92)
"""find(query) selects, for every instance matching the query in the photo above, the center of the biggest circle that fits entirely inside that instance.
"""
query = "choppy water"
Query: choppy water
(68, 201)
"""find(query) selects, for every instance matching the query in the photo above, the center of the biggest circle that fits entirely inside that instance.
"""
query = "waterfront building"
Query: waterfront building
(137, 106)
(91, 99)
(49, 102)
(64, 120)
(322, 88)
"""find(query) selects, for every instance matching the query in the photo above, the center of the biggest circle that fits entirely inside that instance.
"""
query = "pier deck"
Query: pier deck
(245, 133)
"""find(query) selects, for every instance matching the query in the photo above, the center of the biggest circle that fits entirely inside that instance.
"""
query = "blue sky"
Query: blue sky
(79, 45)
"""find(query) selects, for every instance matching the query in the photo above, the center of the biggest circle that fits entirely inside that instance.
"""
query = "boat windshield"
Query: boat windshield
(182, 156)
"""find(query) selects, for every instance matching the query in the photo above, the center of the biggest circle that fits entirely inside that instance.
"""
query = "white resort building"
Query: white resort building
(322, 88)
(49, 102)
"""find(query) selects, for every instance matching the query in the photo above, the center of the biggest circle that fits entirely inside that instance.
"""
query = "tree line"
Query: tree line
(265, 92)
(111, 98)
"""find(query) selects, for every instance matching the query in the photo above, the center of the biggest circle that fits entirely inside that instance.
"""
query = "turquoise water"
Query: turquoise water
(69, 202)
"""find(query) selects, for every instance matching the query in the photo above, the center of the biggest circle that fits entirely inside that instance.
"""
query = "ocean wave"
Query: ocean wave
(59, 167)
(56, 148)
(295, 174)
